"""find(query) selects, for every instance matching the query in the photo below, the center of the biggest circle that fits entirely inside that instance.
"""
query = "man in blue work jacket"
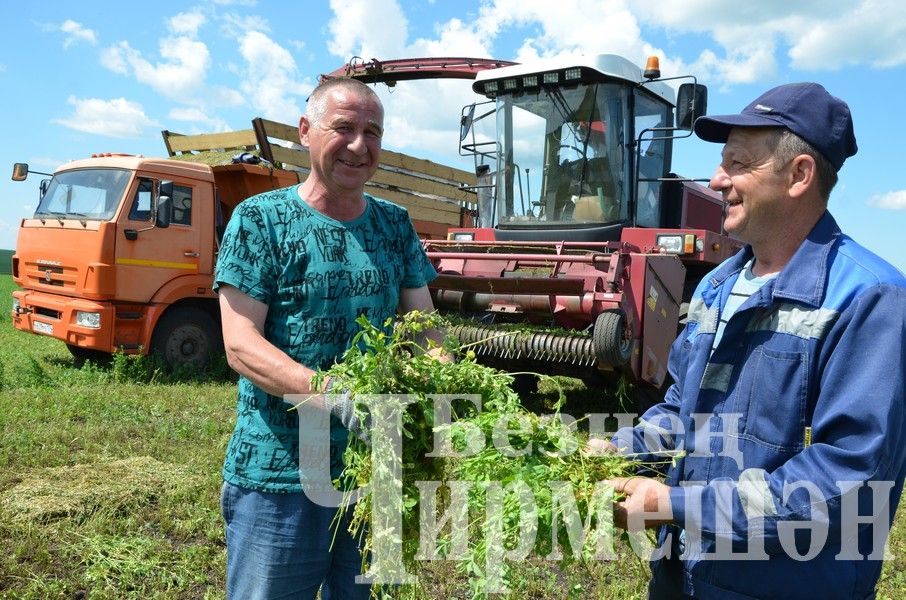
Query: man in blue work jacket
(787, 416)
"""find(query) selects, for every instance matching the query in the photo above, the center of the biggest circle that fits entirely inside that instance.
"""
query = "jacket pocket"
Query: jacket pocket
(773, 392)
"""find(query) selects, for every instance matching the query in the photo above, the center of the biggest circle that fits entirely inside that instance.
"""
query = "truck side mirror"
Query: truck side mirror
(20, 171)
(691, 103)
(161, 206)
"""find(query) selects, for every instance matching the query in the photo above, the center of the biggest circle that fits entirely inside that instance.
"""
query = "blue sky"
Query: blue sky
(96, 76)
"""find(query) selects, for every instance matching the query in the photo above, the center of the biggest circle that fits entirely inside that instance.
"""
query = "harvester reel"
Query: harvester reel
(611, 338)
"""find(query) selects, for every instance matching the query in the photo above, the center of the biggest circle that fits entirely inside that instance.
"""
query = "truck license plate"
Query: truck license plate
(40, 327)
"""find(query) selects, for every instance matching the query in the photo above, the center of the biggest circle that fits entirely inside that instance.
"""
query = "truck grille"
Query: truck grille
(50, 275)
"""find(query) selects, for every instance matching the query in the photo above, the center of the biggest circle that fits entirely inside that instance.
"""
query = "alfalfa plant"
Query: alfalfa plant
(507, 484)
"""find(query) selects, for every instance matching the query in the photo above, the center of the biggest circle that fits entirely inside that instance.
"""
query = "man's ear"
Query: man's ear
(304, 127)
(803, 175)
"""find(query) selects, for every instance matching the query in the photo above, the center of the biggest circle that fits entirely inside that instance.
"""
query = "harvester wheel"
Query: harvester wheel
(612, 339)
(186, 335)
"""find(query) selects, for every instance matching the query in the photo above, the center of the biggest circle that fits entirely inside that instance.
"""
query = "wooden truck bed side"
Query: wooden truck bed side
(432, 193)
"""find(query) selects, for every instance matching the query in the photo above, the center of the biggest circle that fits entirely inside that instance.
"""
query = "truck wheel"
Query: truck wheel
(186, 336)
(612, 339)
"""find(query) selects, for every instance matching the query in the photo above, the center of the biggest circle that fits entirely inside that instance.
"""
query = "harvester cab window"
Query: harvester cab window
(575, 177)
(651, 117)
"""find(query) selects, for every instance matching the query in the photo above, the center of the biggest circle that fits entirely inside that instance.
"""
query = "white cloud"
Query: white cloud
(817, 34)
(219, 95)
(272, 83)
(367, 28)
(186, 23)
(236, 26)
(870, 33)
(714, 15)
(197, 116)
(115, 118)
(889, 201)
(560, 30)
(75, 32)
(236, 2)
(178, 77)
(297, 44)
(113, 58)
(181, 73)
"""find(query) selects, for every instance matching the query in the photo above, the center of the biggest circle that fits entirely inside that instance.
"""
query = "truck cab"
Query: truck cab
(120, 252)
(106, 251)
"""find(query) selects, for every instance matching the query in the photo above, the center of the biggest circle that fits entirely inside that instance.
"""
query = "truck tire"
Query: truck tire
(186, 335)
(611, 338)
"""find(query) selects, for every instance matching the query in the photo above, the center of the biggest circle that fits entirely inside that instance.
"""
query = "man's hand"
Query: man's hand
(342, 406)
(599, 447)
(647, 503)
(440, 354)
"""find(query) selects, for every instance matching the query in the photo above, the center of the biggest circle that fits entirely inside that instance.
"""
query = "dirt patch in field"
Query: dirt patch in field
(80, 490)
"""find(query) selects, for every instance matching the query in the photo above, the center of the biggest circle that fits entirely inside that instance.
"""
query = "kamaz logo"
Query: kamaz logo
(49, 263)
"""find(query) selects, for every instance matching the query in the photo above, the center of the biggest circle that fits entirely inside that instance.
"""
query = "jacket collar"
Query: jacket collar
(803, 278)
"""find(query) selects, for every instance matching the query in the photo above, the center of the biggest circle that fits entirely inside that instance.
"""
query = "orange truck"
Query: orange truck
(120, 252)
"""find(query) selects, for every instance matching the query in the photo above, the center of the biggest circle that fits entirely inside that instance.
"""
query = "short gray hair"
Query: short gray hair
(317, 101)
(786, 145)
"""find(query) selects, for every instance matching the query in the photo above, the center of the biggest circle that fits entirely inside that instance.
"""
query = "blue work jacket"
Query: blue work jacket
(790, 431)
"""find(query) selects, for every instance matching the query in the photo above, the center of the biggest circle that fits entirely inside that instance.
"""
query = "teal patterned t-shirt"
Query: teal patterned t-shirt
(317, 275)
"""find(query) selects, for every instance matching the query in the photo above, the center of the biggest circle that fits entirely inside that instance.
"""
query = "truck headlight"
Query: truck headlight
(88, 319)
(16, 305)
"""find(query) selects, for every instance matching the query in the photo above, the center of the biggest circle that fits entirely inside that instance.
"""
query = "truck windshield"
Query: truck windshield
(561, 160)
(84, 194)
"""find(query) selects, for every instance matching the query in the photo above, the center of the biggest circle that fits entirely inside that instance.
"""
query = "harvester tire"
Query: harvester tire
(186, 335)
(612, 341)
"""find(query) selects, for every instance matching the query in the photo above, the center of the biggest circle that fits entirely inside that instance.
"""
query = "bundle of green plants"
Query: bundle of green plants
(477, 478)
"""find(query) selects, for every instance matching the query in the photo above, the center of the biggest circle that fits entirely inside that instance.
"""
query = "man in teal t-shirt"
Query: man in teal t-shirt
(296, 268)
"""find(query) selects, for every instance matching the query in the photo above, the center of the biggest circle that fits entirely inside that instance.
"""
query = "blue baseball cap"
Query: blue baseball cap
(806, 109)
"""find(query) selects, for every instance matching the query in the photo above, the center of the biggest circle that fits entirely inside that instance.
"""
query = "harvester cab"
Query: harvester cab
(582, 147)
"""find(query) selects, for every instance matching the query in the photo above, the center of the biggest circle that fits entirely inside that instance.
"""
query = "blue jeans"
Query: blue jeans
(279, 546)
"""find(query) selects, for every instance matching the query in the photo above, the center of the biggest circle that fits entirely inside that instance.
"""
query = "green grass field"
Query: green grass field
(109, 483)
(6, 257)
